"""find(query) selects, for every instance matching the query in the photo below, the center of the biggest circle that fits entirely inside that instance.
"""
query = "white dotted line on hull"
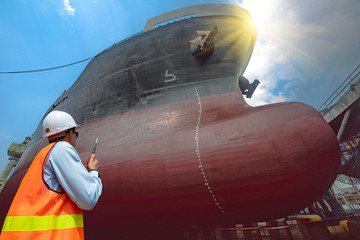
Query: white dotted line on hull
(197, 151)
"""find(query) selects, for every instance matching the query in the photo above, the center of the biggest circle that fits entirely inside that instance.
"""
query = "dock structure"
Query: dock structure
(342, 111)
(15, 152)
(342, 108)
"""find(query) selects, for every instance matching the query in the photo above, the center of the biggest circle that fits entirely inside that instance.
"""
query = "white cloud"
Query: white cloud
(269, 52)
(263, 96)
(69, 10)
(308, 44)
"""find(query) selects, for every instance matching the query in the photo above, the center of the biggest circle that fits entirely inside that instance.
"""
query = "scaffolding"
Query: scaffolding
(341, 92)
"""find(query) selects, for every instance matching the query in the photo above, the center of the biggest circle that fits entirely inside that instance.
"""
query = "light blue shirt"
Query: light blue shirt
(63, 171)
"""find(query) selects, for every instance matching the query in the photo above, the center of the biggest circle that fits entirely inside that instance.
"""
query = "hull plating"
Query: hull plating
(178, 145)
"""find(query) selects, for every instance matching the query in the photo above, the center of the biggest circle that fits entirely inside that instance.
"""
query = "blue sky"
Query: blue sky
(304, 49)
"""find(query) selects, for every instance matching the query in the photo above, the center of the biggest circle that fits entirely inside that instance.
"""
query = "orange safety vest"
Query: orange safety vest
(40, 213)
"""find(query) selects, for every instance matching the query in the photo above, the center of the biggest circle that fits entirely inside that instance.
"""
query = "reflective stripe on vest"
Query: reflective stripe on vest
(42, 223)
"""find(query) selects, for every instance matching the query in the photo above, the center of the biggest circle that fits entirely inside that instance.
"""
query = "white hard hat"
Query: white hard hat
(57, 122)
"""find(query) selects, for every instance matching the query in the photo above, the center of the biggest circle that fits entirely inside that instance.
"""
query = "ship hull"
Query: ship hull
(178, 145)
(195, 163)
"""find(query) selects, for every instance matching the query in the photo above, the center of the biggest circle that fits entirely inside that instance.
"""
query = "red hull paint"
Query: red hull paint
(205, 161)
(240, 164)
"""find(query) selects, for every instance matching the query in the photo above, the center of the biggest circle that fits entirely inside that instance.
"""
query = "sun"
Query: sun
(261, 12)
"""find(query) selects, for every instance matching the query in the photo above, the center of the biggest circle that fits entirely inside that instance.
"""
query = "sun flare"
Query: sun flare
(260, 11)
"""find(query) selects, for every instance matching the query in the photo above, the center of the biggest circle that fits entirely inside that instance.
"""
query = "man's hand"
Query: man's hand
(92, 163)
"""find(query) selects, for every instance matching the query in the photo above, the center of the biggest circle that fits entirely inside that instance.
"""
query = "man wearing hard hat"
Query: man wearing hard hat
(56, 187)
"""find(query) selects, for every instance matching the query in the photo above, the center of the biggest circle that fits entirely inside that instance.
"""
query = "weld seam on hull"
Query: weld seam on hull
(197, 151)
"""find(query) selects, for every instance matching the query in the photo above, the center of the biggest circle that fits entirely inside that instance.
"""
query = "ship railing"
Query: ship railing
(158, 25)
(343, 90)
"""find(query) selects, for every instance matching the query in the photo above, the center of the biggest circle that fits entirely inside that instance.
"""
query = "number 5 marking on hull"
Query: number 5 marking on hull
(169, 77)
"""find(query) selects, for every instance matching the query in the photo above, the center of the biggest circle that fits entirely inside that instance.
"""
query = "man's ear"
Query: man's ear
(69, 135)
